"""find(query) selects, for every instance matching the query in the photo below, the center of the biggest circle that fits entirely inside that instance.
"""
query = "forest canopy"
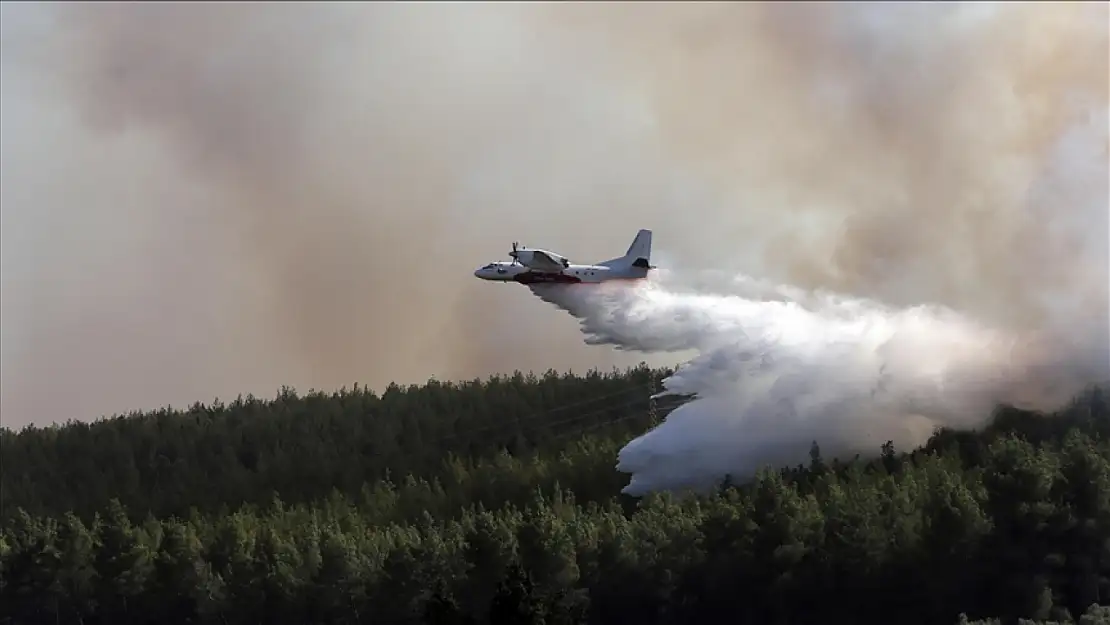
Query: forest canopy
(497, 501)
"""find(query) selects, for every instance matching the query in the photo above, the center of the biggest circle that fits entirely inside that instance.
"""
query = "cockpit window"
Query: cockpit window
(500, 270)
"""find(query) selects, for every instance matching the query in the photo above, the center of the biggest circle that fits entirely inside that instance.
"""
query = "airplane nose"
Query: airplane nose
(477, 273)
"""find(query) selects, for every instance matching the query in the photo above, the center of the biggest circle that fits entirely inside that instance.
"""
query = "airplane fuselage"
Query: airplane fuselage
(536, 266)
(572, 274)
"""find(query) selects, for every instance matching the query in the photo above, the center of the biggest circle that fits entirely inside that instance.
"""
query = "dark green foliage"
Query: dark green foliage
(1010, 523)
(168, 462)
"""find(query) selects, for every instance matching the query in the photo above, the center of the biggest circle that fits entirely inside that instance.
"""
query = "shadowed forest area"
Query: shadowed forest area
(497, 502)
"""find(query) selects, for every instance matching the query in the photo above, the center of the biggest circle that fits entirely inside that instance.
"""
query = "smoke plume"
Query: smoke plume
(938, 207)
(206, 200)
(202, 200)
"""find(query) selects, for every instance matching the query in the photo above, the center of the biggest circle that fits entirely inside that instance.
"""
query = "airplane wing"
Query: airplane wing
(542, 262)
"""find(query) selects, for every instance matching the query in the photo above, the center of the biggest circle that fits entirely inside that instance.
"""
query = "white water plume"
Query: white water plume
(772, 376)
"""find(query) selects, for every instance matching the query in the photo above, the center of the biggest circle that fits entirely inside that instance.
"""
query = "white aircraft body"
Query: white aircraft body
(533, 266)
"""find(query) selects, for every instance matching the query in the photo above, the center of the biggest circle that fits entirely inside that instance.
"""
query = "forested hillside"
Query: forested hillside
(305, 446)
(497, 502)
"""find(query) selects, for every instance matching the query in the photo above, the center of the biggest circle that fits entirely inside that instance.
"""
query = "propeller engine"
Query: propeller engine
(513, 254)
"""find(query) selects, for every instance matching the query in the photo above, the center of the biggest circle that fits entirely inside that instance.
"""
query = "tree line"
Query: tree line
(168, 461)
(1011, 522)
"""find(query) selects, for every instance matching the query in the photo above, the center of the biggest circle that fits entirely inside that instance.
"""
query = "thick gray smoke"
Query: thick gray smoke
(203, 200)
(963, 170)
(206, 200)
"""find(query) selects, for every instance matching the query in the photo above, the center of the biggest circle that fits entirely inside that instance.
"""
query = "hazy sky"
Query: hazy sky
(201, 200)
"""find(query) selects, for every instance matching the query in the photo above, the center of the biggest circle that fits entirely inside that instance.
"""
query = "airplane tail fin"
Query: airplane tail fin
(638, 254)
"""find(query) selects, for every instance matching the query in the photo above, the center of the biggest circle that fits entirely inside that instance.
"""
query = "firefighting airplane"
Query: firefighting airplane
(532, 266)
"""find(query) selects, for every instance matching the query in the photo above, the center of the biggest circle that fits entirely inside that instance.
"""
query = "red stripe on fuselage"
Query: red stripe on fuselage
(535, 277)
